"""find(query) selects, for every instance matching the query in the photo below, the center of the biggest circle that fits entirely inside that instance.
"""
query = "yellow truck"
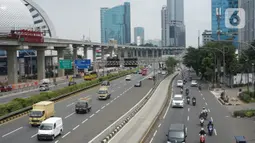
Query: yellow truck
(40, 112)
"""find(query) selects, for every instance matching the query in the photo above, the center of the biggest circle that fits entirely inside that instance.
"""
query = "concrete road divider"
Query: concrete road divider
(138, 126)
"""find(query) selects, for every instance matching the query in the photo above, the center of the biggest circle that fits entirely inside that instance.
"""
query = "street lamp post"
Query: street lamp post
(253, 78)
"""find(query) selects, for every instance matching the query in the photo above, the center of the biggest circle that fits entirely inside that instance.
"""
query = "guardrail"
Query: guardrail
(110, 131)
(26, 110)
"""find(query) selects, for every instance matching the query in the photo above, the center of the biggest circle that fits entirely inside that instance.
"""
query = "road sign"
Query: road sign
(82, 64)
(65, 64)
(112, 62)
(130, 62)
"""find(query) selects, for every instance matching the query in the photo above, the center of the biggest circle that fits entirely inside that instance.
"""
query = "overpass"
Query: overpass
(123, 51)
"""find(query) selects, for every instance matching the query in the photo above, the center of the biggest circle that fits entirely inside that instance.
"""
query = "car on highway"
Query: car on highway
(163, 72)
(5, 88)
(138, 84)
(105, 83)
(103, 93)
(180, 83)
(44, 87)
(71, 83)
(194, 83)
(128, 77)
(178, 101)
(150, 77)
(83, 105)
(177, 133)
(50, 128)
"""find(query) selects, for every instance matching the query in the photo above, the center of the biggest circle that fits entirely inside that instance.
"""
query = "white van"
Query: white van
(50, 128)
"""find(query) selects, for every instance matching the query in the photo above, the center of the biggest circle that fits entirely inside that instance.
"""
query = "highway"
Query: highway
(80, 128)
(223, 127)
(26, 94)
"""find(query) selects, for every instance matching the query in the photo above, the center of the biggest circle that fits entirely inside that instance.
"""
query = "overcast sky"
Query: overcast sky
(74, 18)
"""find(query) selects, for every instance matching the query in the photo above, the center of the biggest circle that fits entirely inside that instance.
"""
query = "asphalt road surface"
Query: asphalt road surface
(81, 128)
(223, 128)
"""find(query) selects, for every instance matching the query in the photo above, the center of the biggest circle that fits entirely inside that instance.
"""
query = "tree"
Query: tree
(170, 64)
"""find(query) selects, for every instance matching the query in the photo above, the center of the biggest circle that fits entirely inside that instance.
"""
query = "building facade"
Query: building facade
(219, 7)
(207, 36)
(164, 22)
(116, 23)
(139, 35)
(175, 25)
(247, 34)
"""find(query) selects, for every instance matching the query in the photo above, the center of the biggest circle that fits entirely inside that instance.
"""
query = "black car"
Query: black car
(71, 83)
(105, 83)
(177, 133)
(138, 84)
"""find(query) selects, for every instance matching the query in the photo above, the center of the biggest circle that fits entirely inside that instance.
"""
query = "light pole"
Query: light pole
(253, 78)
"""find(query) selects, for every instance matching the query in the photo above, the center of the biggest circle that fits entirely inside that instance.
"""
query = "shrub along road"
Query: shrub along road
(84, 126)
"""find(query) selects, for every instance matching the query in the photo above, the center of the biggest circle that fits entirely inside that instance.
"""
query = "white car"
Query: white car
(193, 83)
(128, 77)
(163, 72)
(178, 101)
(179, 83)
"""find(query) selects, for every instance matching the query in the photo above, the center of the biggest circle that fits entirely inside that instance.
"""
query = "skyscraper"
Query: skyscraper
(164, 21)
(220, 6)
(115, 24)
(175, 25)
(139, 34)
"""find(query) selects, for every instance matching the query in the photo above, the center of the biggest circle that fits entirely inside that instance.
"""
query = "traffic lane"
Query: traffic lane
(62, 108)
(89, 128)
(171, 116)
(225, 126)
(8, 98)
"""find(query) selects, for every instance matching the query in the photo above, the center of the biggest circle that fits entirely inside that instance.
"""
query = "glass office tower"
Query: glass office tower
(139, 32)
(227, 34)
(115, 24)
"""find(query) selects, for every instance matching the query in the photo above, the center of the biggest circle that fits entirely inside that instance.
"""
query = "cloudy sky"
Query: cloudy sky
(74, 18)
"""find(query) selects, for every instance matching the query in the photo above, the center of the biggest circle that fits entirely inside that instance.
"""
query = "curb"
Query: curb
(224, 103)
(26, 110)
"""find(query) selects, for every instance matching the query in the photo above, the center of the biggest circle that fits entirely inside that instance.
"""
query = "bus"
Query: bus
(90, 75)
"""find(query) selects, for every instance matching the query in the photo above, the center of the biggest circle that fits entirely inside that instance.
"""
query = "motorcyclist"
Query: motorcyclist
(193, 99)
(187, 91)
(202, 132)
(181, 90)
(199, 86)
(204, 111)
(209, 124)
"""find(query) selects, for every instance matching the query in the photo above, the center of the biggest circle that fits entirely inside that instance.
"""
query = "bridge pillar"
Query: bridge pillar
(75, 70)
(125, 53)
(147, 53)
(133, 53)
(40, 64)
(12, 66)
(61, 72)
(137, 53)
(152, 53)
(85, 52)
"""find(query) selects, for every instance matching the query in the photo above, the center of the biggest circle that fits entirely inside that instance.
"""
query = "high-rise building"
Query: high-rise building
(247, 34)
(218, 8)
(164, 22)
(116, 23)
(139, 35)
(175, 25)
(207, 36)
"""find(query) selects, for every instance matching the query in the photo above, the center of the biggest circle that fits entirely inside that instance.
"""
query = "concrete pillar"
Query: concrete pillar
(153, 53)
(22, 66)
(40, 64)
(61, 72)
(125, 53)
(75, 70)
(162, 52)
(147, 53)
(85, 52)
(12, 66)
(134, 53)
(94, 53)
(137, 53)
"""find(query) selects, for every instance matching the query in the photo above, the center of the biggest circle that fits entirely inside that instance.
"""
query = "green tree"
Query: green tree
(170, 64)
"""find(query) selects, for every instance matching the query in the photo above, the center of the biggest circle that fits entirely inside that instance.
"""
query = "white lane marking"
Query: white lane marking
(203, 98)
(84, 121)
(91, 115)
(117, 97)
(69, 104)
(103, 107)
(111, 101)
(159, 125)
(209, 110)
(113, 90)
(121, 94)
(33, 135)
(66, 134)
(92, 140)
(107, 104)
(76, 127)
(188, 109)
(69, 115)
(151, 140)
(155, 133)
(201, 94)
(215, 132)
(211, 119)
(56, 141)
(119, 87)
(199, 90)
(206, 103)
(97, 111)
(188, 118)
(12, 131)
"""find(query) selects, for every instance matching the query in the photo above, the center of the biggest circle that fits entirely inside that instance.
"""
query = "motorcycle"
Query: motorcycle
(210, 130)
(202, 122)
(187, 92)
(203, 115)
(202, 139)
(188, 100)
(193, 102)
(199, 87)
